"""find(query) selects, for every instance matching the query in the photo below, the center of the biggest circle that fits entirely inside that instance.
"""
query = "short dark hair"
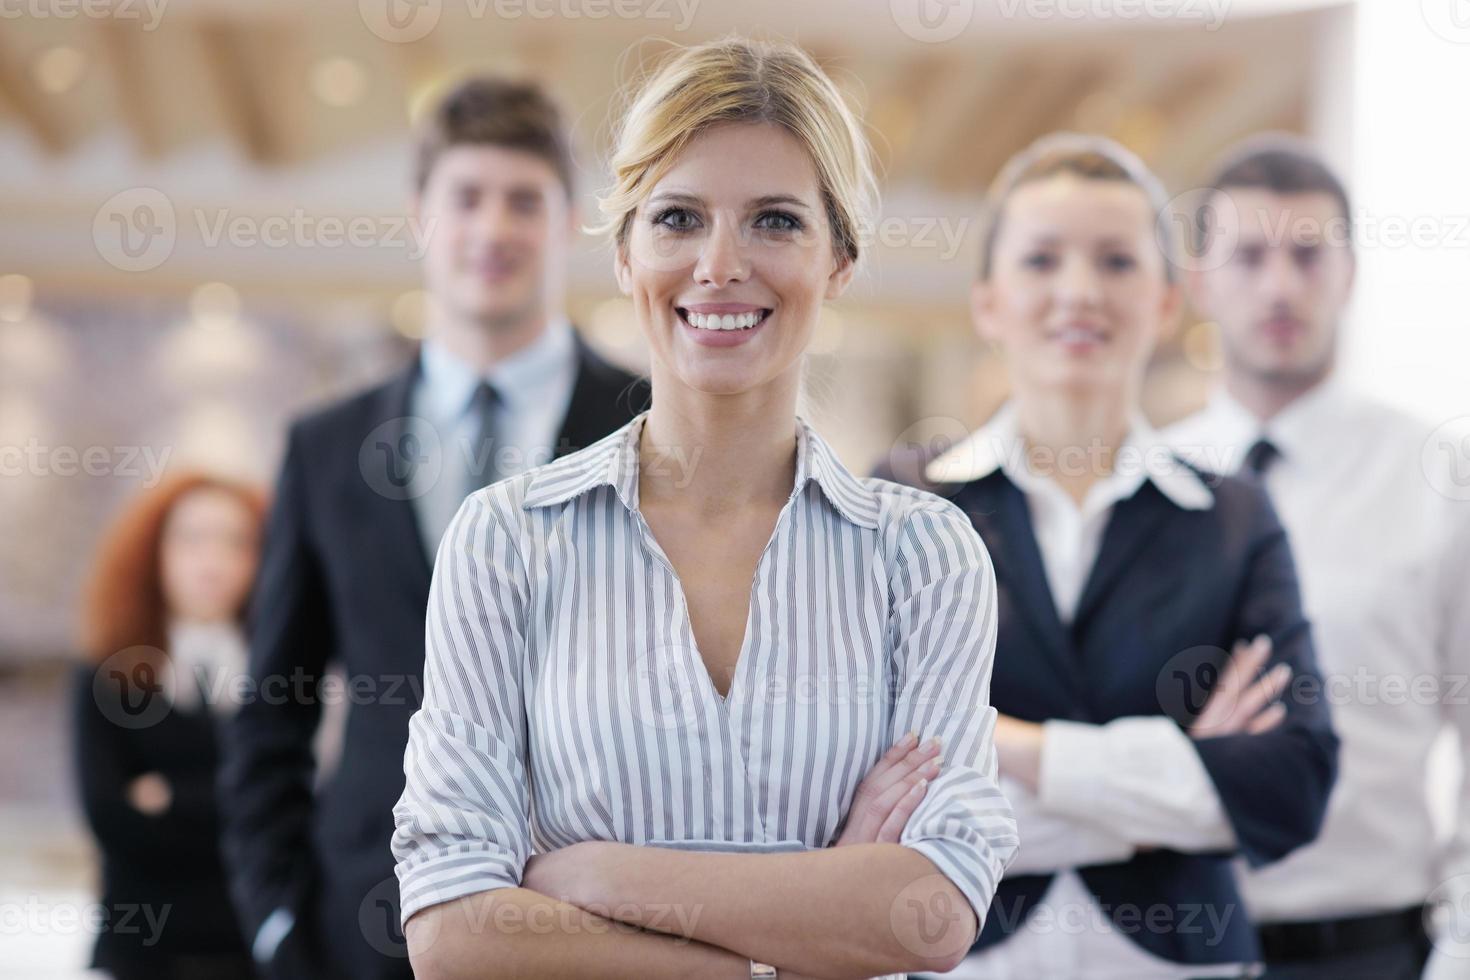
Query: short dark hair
(1277, 163)
(497, 112)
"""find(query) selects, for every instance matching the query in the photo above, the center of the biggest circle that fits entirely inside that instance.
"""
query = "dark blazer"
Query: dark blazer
(1171, 593)
(344, 578)
(163, 883)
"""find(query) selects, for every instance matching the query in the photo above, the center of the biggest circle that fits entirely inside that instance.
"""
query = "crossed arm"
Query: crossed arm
(1175, 806)
(619, 909)
(911, 898)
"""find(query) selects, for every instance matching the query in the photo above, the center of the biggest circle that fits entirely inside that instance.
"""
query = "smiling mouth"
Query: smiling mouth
(720, 322)
(1078, 335)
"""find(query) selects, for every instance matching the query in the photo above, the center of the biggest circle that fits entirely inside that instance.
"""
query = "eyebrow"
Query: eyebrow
(764, 201)
(1051, 238)
(469, 183)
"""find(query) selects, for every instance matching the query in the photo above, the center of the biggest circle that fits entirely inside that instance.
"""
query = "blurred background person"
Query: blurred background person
(368, 485)
(164, 636)
(1120, 567)
(1384, 557)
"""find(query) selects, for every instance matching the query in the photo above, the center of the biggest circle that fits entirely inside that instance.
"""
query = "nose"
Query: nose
(1281, 277)
(722, 260)
(1078, 282)
(492, 218)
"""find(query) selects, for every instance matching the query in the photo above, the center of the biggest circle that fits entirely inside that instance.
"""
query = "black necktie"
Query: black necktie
(481, 470)
(1258, 459)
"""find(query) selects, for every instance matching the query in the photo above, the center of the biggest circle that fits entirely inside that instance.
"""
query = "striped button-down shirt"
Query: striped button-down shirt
(565, 699)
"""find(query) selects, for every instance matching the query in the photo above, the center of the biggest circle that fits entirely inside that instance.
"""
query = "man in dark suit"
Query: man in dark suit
(502, 383)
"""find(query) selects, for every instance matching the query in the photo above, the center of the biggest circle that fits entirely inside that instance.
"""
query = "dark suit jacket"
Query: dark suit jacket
(163, 883)
(1171, 593)
(344, 577)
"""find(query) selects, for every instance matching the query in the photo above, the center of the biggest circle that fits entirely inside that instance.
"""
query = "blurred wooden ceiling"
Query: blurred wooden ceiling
(273, 106)
(284, 86)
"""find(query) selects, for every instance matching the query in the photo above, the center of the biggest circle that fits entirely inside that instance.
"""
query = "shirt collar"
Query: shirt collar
(613, 462)
(521, 378)
(1297, 431)
(1144, 455)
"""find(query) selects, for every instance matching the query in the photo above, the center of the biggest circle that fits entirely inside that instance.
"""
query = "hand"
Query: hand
(150, 793)
(890, 792)
(1018, 749)
(1245, 700)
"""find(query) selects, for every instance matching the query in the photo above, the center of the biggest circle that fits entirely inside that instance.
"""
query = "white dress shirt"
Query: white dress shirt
(535, 388)
(1104, 789)
(1384, 562)
(565, 698)
(206, 665)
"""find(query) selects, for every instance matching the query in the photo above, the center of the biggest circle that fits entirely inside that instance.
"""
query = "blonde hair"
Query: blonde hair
(741, 80)
(1089, 157)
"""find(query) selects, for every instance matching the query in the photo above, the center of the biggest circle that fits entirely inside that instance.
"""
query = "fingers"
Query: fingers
(1268, 719)
(1245, 664)
(894, 807)
(1262, 693)
(892, 828)
(890, 777)
(1246, 661)
(1245, 700)
(877, 781)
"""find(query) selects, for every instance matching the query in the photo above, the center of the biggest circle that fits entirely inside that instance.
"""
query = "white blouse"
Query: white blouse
(565, 699)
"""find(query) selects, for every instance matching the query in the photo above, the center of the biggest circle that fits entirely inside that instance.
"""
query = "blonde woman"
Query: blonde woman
(704, 633)
(1143, 749)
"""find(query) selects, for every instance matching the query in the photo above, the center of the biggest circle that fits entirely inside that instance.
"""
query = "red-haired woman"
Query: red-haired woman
(162, 628)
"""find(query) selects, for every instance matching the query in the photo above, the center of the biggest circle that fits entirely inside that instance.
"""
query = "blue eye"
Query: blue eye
(1119, 262)
(779, 221)
(676, 219)
(1040, 261)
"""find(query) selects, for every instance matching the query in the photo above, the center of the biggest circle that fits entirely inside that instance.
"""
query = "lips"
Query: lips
(722, 324)
(1078, 335)
(1282, 328)
(493, 270)
(744, 320)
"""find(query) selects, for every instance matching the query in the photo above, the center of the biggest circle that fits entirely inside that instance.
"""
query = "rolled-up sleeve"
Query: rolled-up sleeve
(942, 632)
(462, 825)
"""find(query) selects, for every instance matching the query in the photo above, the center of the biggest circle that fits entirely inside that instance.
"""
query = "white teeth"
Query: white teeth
(729, 321)
(1078, 335)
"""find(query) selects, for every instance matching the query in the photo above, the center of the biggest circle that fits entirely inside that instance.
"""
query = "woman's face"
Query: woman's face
(208, 555)
(1077, 294)
(728, 259)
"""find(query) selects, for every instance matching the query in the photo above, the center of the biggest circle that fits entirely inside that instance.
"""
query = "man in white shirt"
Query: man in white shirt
(1382, 546)
(366, 489)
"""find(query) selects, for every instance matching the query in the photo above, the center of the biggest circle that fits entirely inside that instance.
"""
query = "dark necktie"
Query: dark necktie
(481, 470)
(1258, 459)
